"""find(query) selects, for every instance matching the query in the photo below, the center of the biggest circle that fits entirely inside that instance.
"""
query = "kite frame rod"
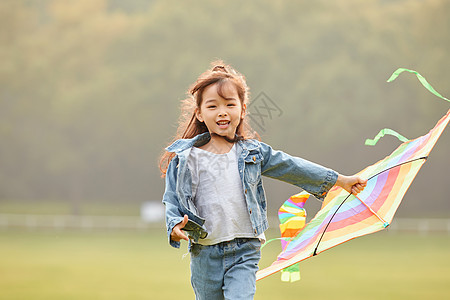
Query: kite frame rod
(385, 224)
(403, 163)
(326, 227)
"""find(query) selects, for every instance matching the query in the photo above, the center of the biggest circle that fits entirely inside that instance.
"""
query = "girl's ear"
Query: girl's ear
(198, 115)
(244, 111)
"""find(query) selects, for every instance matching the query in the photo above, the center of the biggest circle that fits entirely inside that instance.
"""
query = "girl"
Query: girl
(214, 189)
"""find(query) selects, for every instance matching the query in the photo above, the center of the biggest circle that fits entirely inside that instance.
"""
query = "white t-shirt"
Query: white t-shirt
(218, 195)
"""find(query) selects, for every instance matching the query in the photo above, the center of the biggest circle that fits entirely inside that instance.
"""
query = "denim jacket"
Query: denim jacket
(254, 159)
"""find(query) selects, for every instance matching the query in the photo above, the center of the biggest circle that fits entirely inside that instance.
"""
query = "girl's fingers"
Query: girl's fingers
(358, 188)
(184, 222)
(181, 235)
(178, 235)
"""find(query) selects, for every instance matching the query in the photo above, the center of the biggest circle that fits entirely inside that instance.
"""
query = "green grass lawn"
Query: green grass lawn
(141, 265)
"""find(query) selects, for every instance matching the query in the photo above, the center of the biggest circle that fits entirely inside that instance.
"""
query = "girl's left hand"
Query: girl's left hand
(178, 235)
(352, 184)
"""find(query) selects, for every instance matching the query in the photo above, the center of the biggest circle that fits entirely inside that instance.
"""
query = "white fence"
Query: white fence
(75, 222)
(61, 222)
(422, 226)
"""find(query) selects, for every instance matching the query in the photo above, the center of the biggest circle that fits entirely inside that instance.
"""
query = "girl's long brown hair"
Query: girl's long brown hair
(189, 126)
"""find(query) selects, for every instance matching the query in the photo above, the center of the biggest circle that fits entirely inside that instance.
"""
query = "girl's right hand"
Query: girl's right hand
(177, 234)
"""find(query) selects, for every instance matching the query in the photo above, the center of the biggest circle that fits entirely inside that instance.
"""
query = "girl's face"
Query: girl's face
(221, 115)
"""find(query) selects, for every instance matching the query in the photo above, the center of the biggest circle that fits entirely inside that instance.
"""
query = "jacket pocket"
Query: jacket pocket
(252, 172)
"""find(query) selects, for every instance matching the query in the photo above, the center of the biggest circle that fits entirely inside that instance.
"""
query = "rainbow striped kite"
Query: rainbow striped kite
(345, 216)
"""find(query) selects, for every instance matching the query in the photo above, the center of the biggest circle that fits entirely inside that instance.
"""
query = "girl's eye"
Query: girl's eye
(211, 106)
(231, 104)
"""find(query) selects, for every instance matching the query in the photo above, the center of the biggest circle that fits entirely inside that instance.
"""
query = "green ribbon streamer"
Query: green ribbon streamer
(424, 82)
(383, 132)
(291, 274)
(421, 79)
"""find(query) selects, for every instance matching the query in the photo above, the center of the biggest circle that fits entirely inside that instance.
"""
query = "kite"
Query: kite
(344, 216)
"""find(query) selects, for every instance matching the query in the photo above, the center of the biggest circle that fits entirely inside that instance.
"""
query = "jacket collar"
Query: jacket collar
(183, 144)
(201, 139)
(249, 144)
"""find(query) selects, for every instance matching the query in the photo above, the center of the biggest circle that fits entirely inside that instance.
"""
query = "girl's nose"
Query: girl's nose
(223, 114)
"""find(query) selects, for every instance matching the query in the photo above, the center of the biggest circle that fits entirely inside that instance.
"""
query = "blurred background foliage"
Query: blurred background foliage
(90, 90)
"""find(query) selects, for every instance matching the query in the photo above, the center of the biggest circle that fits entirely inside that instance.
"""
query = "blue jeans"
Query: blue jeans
(226, 270)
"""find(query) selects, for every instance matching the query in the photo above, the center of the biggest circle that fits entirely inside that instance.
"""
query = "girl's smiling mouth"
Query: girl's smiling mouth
(223, 124)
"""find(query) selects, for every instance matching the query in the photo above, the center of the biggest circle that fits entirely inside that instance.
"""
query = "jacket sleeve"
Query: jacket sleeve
(171, 202)
(313, 178)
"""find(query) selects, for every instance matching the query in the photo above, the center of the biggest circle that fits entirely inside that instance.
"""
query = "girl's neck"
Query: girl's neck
(218, 145)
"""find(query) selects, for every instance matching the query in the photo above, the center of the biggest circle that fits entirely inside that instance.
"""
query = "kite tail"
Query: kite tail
(292, 216)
